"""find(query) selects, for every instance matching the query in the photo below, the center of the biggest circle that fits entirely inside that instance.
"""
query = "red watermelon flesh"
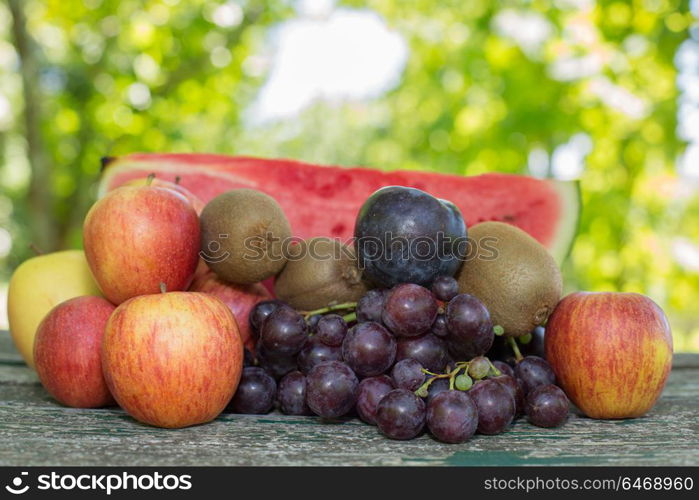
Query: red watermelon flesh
(324, 200)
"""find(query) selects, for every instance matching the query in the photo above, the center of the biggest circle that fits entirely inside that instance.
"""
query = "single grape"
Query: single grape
(534, 371)
(452, 417)
(400, 414)
(535, 347)
(470, 329)
(409, 310)
(445, 288)
(316, 352)
(261, 312)
(312, 322)
(428, 349)
(479, 367)
(277, 365)
(439, 327)
(369, 349)
(463, 382)
(371, 391)
(284, 332)
(331, 389)
(370, 306)
(291, 394)
(547, 406)
(516, 390)
(255, 392)
(436, 387)
(496, 406)
(504, 368)
(331, 330)
(408, 374)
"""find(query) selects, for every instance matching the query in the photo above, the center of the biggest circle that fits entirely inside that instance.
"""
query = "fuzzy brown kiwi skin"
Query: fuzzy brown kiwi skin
(311, 281)
(256, 229)
(521, 286)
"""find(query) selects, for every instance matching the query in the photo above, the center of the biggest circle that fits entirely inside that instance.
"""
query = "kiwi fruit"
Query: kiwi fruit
(513, 275)
(320, 272)
(243, 233)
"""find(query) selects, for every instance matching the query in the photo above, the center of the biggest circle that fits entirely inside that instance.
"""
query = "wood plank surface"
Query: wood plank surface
(35, 430)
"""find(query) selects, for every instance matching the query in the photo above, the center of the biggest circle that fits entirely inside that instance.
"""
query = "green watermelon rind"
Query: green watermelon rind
(569, 192)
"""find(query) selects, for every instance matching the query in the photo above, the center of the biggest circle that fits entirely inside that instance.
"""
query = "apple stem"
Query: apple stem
(178, 179)
(151, 176)
(163, 288)
(36, 249)
(515, 348)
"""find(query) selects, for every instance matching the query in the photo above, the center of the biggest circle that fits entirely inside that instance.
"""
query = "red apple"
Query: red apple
(240, 299)
(172, 359)
(67, 352)
(611, 352)
(193, 199)
(139, 237)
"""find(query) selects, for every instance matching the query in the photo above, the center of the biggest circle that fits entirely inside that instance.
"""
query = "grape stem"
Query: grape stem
(349, 318)
(451, 374)
(515, 348)
(325, 310)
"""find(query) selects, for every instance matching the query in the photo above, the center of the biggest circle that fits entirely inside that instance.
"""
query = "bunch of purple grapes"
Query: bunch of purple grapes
(402, 359)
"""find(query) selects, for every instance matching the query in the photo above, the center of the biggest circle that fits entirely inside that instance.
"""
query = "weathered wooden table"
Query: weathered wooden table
(35, 430)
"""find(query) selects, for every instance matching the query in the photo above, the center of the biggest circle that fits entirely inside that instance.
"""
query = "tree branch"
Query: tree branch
(40, 198)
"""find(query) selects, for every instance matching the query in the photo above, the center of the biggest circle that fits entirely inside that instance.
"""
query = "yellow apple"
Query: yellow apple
(39, 284)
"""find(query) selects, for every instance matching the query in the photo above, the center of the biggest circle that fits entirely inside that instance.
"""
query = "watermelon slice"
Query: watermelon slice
(323, 200)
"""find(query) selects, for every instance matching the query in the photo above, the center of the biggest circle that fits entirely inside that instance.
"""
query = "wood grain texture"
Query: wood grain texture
(35, 430)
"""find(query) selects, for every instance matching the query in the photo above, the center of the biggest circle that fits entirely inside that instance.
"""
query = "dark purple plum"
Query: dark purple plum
(534, 371)
(371, 391)
(470, 328)
(547, 406)
(255, 392)
(316, 352)
(496, 406)
(429, 350)
(331, 389)
(409, 310)
(408, 374)
(400, 414)
(404, 235)
(369, 349)
(452, 417)
(291, 394)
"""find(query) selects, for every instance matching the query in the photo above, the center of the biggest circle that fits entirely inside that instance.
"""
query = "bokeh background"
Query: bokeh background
(603, 92)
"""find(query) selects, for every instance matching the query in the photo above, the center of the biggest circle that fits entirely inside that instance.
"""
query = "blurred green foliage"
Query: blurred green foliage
(473, 98)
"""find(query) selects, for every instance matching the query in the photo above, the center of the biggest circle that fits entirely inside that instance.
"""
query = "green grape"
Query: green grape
(479, 367)
(463, 382)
